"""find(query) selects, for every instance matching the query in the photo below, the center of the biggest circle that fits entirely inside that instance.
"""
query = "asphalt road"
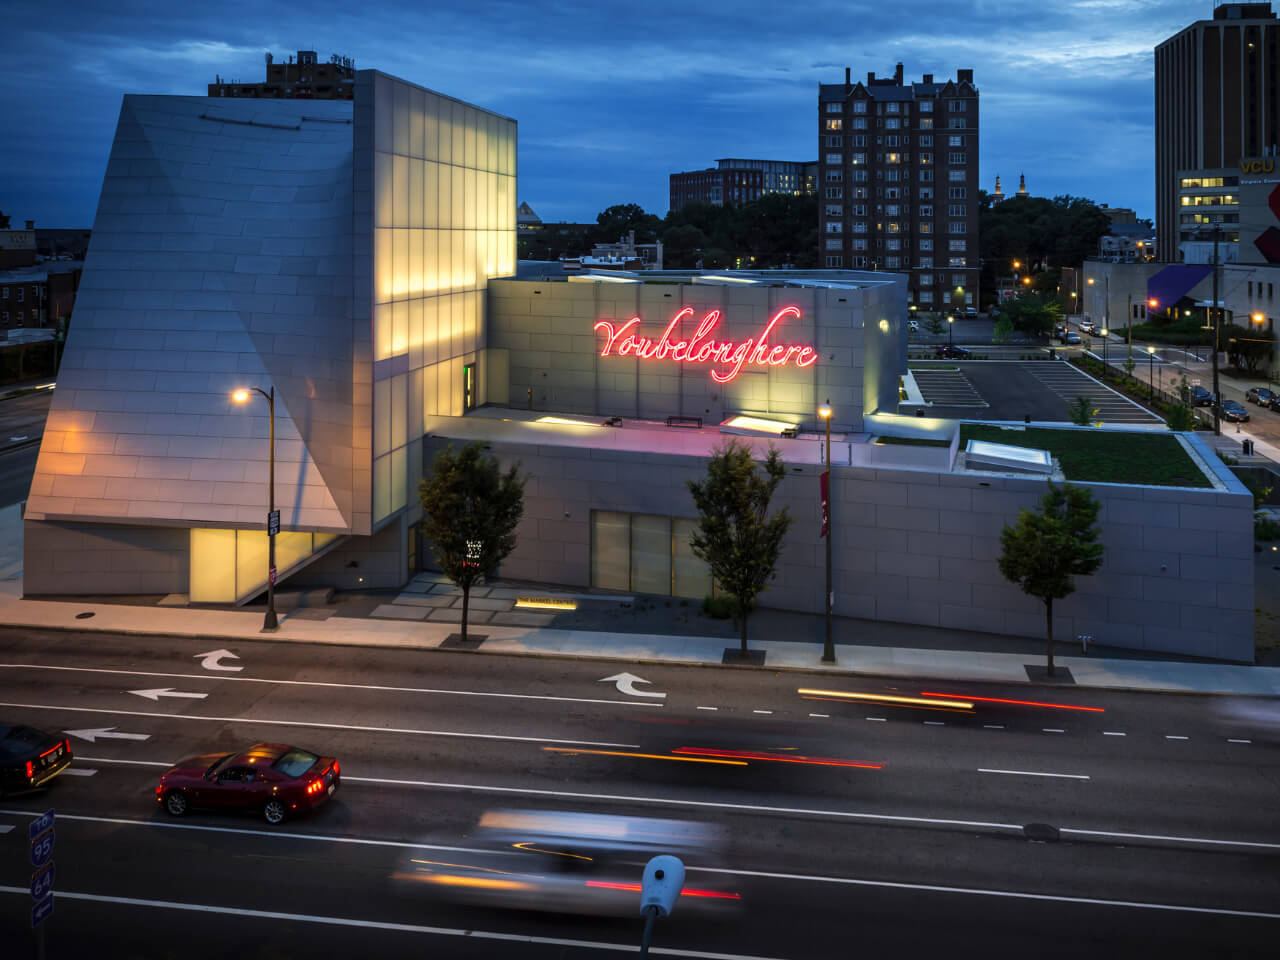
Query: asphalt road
(1168, 840)
(16, 469)
(23, 416)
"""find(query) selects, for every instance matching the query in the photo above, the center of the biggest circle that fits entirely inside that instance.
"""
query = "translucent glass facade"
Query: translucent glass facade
(443, 189)
(230, 565)
(647, 553)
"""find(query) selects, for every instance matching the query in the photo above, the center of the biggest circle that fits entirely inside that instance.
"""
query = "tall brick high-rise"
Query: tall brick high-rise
(898, 182)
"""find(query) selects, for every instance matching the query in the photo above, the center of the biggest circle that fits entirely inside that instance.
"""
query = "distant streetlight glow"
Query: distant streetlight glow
(240, 396)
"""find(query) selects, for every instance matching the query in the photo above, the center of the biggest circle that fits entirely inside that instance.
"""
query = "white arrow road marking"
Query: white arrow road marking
(78, 772)
(167, 692)
(106, 733)
(6, 828)
(210, 660)
(626, 684)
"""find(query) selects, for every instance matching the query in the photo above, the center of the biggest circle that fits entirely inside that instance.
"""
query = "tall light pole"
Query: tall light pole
(1217, 313)
(950, 329)
(1151, 372)
(828, 650)
(1105, 333)
(273, 518)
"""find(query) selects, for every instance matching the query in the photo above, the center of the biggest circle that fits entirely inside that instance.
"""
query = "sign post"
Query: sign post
(42, 836)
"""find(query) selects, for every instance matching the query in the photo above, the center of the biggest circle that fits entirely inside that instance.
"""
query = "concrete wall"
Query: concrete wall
(548, 330)
(921, 547)
(79, 558)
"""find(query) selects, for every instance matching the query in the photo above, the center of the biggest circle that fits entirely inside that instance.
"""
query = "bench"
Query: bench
(695, 422)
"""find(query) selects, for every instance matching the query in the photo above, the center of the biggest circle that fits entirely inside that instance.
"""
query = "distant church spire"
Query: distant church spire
(999, 194)
(1022, 185)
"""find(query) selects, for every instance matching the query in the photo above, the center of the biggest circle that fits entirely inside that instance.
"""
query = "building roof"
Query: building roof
(835, 92)
(38, 273)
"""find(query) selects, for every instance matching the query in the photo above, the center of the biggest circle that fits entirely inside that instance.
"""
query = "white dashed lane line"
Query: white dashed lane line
(1113, 733)
(762, 711)
(992, 726)
(879, 719)
(934, 723)
(823, 716)
(1169, 736)
(708, 708)
(1239, 741)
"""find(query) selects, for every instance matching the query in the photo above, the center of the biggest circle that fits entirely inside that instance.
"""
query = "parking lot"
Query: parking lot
(1042, 390)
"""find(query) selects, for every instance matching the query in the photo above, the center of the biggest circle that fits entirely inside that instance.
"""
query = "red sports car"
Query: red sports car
(271, 778)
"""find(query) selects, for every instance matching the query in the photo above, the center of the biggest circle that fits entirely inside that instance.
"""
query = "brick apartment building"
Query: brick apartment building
(899, 182)
(735, 181)
(305, 78)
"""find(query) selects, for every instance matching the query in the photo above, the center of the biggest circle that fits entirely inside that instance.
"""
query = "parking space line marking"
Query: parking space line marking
(317, 724)
(383, 925)
(78, 772)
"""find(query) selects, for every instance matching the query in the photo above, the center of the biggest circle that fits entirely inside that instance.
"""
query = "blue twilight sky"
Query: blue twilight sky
(610, 97)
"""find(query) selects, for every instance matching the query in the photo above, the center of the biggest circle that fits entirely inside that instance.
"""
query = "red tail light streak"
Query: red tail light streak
(685, 892)
(1023, 703)
(777, 758)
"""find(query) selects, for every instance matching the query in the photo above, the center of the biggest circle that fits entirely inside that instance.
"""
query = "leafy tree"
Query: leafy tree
(1247, 348)
(1002, 332)
(1082, 412)
(1181, 417)
(935, 324)
(471, 509)
(1032, 314)
(1046, 548)
(1042, 234)
(613, 224)
(736, 537)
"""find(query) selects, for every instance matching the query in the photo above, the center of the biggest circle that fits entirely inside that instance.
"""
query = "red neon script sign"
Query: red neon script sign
(726, 357)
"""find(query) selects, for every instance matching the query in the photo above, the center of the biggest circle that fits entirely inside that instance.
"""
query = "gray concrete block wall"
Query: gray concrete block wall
(554, 350)
(915, 546)
(63, 558)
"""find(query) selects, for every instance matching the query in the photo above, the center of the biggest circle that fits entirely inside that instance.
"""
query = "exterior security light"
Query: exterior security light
(1151, 349)
(1257, 318)
(240, 396)
(1017, 264)
(1153, 303)
(1090, 281)
(824, 411)
(1104, 331)
(1026, 280)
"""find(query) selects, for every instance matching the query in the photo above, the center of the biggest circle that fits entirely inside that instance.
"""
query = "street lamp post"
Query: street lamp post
(1151, 372)
(950, 330)
(1217, 313)
(1105, 333)
(828, 650)
(273, 521)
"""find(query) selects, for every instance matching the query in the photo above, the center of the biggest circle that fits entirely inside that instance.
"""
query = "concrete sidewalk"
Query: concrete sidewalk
(225, 626)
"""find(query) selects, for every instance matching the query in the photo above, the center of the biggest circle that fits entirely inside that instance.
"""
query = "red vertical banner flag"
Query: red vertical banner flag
(824, 482)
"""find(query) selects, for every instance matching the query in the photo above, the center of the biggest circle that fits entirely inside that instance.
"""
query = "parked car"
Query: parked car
(951, 352)
(1069, 337)
(30, 758)
(1261, 396)
(1231, 410)
(273, 779)
(1200, 397)
(970, 311)
(1274, 404)
(1088, 326)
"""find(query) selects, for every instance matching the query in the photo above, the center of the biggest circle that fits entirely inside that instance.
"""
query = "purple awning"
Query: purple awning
(1174, 282)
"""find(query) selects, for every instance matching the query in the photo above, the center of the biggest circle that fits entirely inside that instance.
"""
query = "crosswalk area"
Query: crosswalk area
(1065, 381)
(947, 388)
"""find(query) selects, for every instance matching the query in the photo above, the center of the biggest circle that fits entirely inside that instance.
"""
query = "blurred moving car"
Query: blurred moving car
(1088, 326)
(568, 862)
(1069, 337)
(1261, 396)
(1231, 410)
(951, 352)
(1247, 718)
(30, 758)
(272, 779)
(1201, 397)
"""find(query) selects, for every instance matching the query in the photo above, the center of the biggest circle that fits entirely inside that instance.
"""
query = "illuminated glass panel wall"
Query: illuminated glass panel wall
(647, 553)
(444, 175)
(230, 565)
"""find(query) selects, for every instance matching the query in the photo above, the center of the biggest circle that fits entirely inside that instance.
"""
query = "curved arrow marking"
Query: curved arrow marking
(210, 660)
(626, 684)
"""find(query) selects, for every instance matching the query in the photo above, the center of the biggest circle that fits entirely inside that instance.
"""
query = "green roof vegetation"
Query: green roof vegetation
(914, 441)
(1103, 456)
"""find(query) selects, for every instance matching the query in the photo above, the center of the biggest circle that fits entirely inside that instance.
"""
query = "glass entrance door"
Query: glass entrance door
(468, 387)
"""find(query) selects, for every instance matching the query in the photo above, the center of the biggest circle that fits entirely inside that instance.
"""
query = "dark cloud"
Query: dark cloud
(610, 98)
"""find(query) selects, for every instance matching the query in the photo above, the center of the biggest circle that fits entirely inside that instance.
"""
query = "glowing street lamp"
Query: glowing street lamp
(1151, 372)
(273, 519)
(1104, 332)
(828, 649)
(950, 329)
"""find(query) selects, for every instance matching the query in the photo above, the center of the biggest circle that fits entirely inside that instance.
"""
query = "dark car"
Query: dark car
(1069, 337)
(1201, 397)
(1230, 410)
(271, 779)
(1261, 396)
(952, 353)
(30, 758)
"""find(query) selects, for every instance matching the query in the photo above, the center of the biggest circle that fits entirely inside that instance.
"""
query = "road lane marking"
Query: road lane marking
(210, 660)
(708, 708)
(626, 683)
(156, 694)
(1149, 836)
(1112, 733)
(1171, 737)
(106, 733)
(1239, 741)
(934, 723)
(993, 726)
(979, 892)
(821, 716)
(879, 719)
(383, 925)
(762, 711)
(323, 726)
(322, 683)
(1053, 730)
(1033, 773)
(78, 771)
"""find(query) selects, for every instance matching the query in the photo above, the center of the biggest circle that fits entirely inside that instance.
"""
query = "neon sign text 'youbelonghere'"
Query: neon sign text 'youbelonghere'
(623, 341)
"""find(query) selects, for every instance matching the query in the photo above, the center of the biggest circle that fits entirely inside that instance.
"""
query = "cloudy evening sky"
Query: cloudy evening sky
(610, 97)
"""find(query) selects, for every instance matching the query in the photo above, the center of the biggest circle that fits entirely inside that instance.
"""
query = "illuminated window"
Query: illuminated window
(856, 159)
(926, 123)
(834, 124)
(956, 262)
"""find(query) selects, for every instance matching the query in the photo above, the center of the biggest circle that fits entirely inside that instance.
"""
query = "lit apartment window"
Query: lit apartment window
(858, 193)
(894, 157)
(859, 106)
(925, 106)
(926, 159)
(893, 226)
(834, 124)
(926, 123)
(956, 262)
(834, 107)
(955, 158)
(834, 261)
(924, 226)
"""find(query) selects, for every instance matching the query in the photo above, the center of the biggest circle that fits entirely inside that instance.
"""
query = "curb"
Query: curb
(810, 671)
